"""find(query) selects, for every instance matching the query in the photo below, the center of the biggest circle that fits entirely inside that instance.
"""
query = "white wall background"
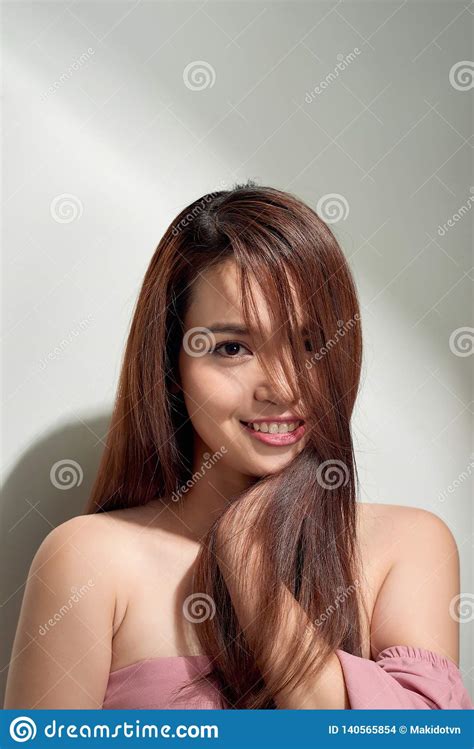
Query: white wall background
(96, 107)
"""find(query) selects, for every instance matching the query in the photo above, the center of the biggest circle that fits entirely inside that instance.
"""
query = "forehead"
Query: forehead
(216, 297)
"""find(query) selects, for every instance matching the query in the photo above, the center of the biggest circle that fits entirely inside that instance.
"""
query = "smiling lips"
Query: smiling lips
(275, 432)
(274, 427)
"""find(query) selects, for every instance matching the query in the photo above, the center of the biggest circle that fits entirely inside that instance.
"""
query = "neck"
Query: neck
(214, 487)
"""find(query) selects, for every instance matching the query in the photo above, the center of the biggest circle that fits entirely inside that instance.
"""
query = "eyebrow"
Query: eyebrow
(237, 329)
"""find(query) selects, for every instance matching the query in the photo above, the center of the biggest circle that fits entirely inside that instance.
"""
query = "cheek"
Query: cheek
(209, 392)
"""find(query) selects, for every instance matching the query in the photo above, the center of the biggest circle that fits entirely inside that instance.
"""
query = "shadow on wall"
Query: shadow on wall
(50, 484)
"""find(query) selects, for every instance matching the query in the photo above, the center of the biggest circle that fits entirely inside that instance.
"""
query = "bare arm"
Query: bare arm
(63, 645)
(414, 606)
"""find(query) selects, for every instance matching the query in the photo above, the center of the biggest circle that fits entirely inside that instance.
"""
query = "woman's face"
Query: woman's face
(223, 384)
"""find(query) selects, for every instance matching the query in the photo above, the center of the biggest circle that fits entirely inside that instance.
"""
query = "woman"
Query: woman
(223, 560)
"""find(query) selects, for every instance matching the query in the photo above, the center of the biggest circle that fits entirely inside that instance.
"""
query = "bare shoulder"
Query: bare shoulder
(395, 518)
(63, 644)
(107, 527)
(402, 529)
(415, 600)
(95, 536)
(83, 546)
(113, 548)
(97, 542)
(137, 540)
(86, 534)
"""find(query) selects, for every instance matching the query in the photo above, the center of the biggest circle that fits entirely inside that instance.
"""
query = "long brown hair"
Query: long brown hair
(308, 521)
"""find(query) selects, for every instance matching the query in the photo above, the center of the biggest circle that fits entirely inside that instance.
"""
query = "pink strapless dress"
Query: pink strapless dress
(401, 677)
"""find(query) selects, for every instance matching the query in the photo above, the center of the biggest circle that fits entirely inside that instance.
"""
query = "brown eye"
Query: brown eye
(230, 348)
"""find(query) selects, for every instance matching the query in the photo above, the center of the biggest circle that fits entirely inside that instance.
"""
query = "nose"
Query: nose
(266, 393)
(276, 394)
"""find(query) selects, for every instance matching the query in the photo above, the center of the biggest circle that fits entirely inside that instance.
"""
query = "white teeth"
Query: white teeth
(273, 427)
